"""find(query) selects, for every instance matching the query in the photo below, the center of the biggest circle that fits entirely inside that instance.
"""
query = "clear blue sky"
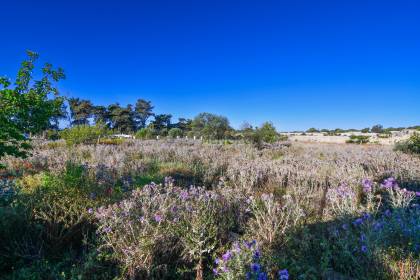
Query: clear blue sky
(300, 64)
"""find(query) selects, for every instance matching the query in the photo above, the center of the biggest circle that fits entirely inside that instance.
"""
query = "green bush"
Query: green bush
(174, 132)
(411, 145)
(358, 139)
(84, 134)
(145, 133)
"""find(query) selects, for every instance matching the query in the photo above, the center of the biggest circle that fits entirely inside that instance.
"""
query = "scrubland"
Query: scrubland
(178, 209)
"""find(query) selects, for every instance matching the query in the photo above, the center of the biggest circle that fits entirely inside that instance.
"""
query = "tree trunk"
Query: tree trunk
(199, 275)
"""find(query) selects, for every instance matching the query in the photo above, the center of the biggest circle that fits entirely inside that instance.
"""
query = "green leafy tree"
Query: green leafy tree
(162, 121)
(377, 128)
(122, 118)
(183, 124)
(266, 133)
(142, 112)
(312, 130)
(100, 114)
(365, 130)
(210, 126)
(28, 107)
(80, 111)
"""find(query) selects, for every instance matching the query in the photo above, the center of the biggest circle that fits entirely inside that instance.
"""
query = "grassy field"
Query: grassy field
(178, 209)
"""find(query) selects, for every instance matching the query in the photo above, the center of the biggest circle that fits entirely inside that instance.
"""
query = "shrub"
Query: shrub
(145, 133)
(411, 145)
(244, 261)
(272, 219)
(175, 132)
(84, 134)
(358, 139)
(157, 224)
(111, 141)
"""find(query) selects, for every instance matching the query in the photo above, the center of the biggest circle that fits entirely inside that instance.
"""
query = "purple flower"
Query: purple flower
(358, 222)
(418, 194)
(363, 249)
(183, 195)
(226, 256)
(257, 254)
(107, 229)
(158, 218)
(387, 212)
(215, 272)
(367, 185)
(377, 226)
(90, 210)
(283, 274)
(262, 276)
(389, 183)
(345, 226)
(216, 261)
(255, 267)
(366, 216)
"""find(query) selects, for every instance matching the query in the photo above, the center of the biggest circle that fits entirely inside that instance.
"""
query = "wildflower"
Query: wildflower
(158, 218)
(257, 254)
(363, 249)
(215, 272)
(367, 185)
(377, 226)
(362, 237)
(345, 226)
(183, 195)
(358, 222)
(255, 267)
(283, 274)
(418, 194)
(107, 229)
(262, 276)
(216, 261)
(248, 245)
(388, 213)
(366, 216)
(90, 211)
(226, 256)
(237, 247)
(389, 183)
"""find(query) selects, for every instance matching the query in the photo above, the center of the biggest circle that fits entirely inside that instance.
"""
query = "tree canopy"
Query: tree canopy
(29, 107)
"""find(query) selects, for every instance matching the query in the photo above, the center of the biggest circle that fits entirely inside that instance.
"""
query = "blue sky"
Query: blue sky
(299, 64)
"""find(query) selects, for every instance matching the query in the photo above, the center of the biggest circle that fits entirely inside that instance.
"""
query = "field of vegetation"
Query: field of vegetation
(184, 209)
(101, 200)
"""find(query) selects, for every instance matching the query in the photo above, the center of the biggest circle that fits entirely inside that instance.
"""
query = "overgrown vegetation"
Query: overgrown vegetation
(358, 139)
(411, 145)
(308, 211)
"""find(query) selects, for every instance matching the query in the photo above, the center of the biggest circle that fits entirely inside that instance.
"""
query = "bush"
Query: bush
(84, 134)
(358, 139)
(145, 133)
(154, 227)
(410, 146)
(175, 132)
(111, 141)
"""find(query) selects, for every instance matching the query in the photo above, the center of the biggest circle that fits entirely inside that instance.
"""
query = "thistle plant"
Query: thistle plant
(271, 219)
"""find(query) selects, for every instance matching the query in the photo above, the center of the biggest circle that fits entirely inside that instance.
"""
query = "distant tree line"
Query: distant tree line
(140, 119)
(374, 129)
